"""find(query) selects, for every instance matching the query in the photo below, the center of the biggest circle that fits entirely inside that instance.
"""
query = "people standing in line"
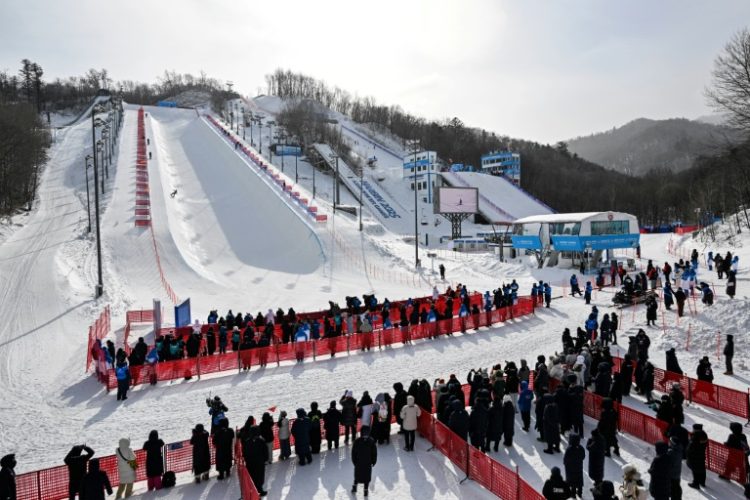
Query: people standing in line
(736, 441)
(696, 456)
(495, 425)
(223, 440)
(76, 461)
(409, 417)
(8, 477)
(573, 461)
(729, 354)
(94, 483)
(126, 466)
(201, 454)
(509, 414)
(364, 458)
(154, 461)
(680, 298)
(608, 427)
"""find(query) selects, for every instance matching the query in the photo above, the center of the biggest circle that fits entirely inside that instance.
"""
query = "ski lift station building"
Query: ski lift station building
(566, 239)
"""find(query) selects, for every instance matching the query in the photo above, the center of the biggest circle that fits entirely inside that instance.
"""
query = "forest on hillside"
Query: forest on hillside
(563, 180)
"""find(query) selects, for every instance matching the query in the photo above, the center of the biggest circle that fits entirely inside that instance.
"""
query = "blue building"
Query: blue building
(503, 163)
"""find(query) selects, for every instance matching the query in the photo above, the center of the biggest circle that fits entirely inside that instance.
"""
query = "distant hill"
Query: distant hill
(643, 145)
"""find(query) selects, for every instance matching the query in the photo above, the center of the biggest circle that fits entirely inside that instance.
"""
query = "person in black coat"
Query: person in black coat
(647, 381)
(615, 392)
(8, 477)
(643, 342)
(154, 460)
(223, 439)
(573, 461)
(729, 354)
(349, 415)
(604, 491)
(575, 408)
(459, 420)
(255, 454)
(315, 417)
(608, 426)
(736, 441)
(562, 400)
(626, 374)
(265, 428)
(603, 380)
(478, 423)
(555, 488)
(509, 415)
(672, 364)
(551, 425)
(399, 401)
(94, 483)
(76, 460)
(201, 453)
(424, 396)
(364, 457)
(331, 422)
(494, 425)
(660, 485)
(541, 402)
(696, 456)
(301, 433)
(596, 446)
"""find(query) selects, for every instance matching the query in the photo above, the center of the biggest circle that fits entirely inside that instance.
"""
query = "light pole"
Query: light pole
(259, 121)
(335, 194)
(296, 176)
(414, 143)
(100, 285)
(361, 191)
(270, 124)
(88, 199)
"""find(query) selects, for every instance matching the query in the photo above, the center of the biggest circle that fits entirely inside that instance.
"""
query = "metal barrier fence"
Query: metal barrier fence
(703, 393)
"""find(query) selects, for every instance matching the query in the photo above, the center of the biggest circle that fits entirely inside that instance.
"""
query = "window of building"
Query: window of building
(610, 227)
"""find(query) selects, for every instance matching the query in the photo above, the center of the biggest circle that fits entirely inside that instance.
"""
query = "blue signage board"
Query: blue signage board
(600, 242)
(531, 242)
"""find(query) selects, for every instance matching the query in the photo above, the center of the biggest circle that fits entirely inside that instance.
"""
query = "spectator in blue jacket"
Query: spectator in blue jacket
(122, 373)
(547, 294)
(525, 398)
(587, 293)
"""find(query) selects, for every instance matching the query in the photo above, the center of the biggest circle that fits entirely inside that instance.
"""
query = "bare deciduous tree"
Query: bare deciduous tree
(730, 90)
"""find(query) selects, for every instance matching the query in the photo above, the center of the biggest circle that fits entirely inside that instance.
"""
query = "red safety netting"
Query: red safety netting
(52, 483)
(97, 331)
(703, 393)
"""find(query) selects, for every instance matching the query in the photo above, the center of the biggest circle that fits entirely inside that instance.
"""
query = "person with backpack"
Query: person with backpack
(76, 461)
(126, 466)
(154, 461)
(410, 417)
(8, 477)
(201, 454)
(364, 457)
(217, 410)
(315, 417)
(94, 483)
(555, 488)
(223, 440)
(573, 461)
(223, 340)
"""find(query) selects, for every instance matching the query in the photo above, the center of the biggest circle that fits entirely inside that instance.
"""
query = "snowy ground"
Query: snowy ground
(214, 240)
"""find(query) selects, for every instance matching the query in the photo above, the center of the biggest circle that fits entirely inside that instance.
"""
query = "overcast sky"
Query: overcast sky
(541, 70)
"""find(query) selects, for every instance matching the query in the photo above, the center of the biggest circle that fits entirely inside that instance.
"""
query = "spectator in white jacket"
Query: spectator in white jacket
(409, 415)
(126, 465)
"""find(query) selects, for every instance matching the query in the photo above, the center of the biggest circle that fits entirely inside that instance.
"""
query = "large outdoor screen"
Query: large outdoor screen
(458, 200)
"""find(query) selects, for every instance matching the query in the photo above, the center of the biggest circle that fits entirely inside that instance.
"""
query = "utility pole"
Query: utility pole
(88, 199)
(100, 285)
(335, 194)
(415, 145)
